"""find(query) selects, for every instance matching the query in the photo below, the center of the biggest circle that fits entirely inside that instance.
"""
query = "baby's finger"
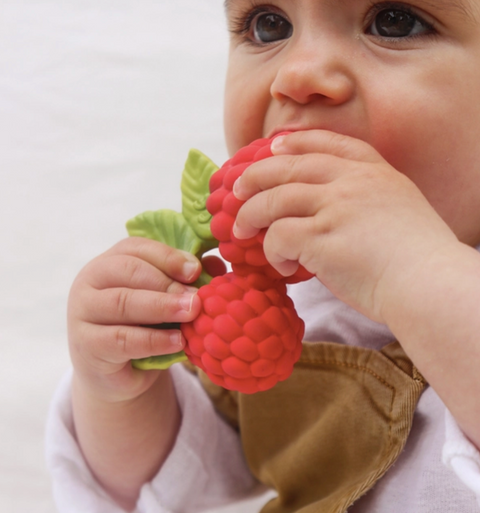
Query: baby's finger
(292, 200)
(312, 168)
(325, 141)
(289, 242)
(119, 270)
(179, 265)
(119, 344)
(133, 307)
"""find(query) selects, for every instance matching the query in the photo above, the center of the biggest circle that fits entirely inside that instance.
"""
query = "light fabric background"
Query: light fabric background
(100, 101)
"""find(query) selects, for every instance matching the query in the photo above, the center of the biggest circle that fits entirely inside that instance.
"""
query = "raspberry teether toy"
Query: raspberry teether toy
(248, 335)
(246, 255)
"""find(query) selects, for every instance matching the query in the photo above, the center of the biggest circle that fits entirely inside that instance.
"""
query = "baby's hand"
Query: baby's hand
(114, 300)
(333, 204)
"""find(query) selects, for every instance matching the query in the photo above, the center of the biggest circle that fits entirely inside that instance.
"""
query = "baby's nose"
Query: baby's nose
(309, 71)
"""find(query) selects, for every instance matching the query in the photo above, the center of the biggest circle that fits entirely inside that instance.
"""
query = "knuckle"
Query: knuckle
(122, 340)
(143, 247)
(157, 304)
(122, 301)
(170, 260)
(352, 148)
(135, 344)
(341, 144)
(295, 197)
(131, 268)
(340, 140)
(274, 239)
(273, 199)
(295, 166)
(173, 287)
(248, 177)
(319, 225)
(150, 342)
(136, 246)
(172, 257)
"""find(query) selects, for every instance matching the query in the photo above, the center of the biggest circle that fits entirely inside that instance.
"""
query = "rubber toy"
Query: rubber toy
(248, 335)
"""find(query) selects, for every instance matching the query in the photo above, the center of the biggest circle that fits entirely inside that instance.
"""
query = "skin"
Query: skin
(126, 420)
(376, 192)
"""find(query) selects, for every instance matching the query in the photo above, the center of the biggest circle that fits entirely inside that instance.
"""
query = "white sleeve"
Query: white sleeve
(461, 456)
(205, 469)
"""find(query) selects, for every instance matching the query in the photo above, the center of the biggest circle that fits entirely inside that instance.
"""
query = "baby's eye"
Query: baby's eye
(270, 27)
(397, 22)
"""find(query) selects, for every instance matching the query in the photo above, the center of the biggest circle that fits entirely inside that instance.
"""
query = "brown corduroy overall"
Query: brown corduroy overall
(325, 436)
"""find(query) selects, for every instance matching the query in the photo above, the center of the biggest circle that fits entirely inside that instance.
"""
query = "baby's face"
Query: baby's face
(402, 76)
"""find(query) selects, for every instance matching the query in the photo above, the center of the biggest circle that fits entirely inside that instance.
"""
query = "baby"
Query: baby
(376, 191)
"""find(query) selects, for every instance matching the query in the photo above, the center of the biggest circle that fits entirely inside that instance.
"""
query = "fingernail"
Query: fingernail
(277, 143)
(176, 340)
(237, 189)
(240, 233)
(186, 301)
(190, 267)
(236, 231)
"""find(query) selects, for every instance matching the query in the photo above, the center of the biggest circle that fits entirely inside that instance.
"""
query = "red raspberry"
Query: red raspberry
(248, 335)
(246, 256)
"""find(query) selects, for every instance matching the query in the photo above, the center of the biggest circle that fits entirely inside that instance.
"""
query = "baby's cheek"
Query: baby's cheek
(244, 113)
(241, 129)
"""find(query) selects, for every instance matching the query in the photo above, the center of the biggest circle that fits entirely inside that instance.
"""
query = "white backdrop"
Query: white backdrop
(100, 101)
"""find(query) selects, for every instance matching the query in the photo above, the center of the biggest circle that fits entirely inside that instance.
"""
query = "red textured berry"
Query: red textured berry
(248, 335)
(246, 255)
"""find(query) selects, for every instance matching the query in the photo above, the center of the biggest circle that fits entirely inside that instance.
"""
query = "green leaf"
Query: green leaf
(195, 179)
(168, 227)
(159, 362)
(188, 231)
